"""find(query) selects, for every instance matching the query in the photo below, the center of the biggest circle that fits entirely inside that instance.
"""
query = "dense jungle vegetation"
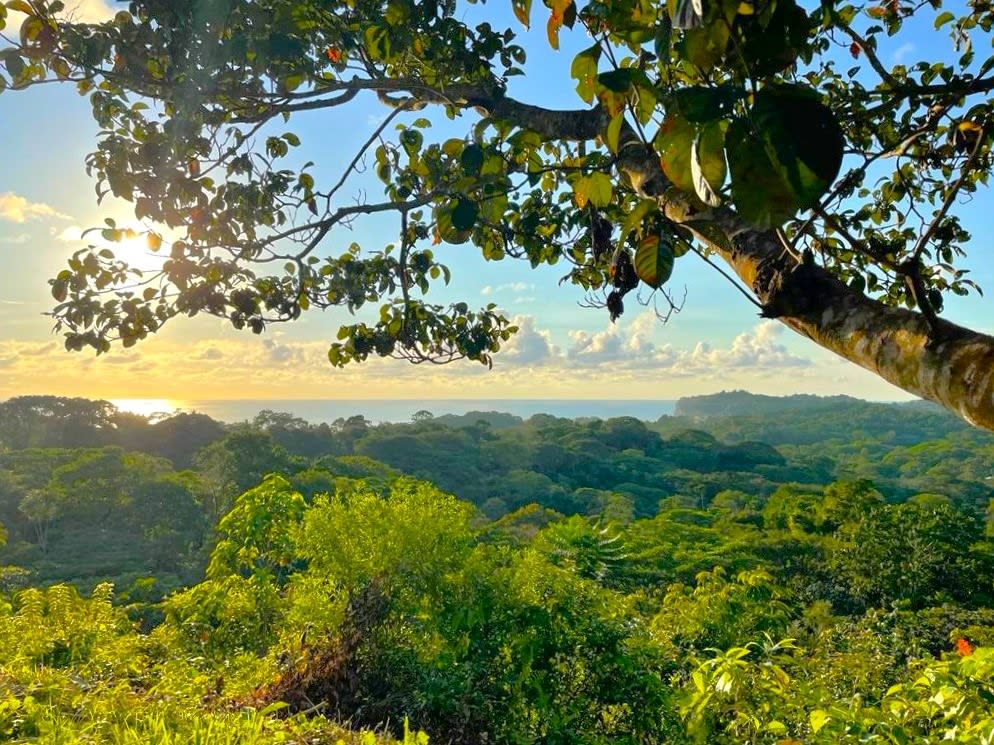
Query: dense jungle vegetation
(749, 570)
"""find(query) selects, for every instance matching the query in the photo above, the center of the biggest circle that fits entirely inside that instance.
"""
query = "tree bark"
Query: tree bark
(951, 365)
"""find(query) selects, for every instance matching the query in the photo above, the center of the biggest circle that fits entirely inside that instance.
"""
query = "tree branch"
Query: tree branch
(939, 361)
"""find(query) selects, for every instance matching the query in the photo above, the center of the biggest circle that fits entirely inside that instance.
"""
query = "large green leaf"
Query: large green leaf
(707, 162)
(617, 81)
(464, 214)
(584, 71)
(445, 223)
(595, 189)
(674, 142)
(700, 103)
(653, 260)
(802, 137)
(759, 193)
(786, 158)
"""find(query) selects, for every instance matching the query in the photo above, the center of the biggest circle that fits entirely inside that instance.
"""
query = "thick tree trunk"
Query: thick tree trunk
(951, 365)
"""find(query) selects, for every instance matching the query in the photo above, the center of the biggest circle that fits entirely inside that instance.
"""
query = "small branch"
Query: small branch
(950, 198)
(871, 55)
(362, 151)
(323, 226)
(855, 243)
(726, 275)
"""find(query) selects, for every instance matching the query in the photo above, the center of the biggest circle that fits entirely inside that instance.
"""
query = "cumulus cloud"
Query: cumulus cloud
(630, 358)
(15, 239)
(529, 346)
(757, 350)
(15, 208)
(281, 353)
(616, 342)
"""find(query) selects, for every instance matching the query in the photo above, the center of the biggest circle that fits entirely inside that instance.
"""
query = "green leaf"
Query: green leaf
(292, 82)
(674, 143)
(613, 133)
(707, 163)
(584, 71)
(641, 210)
(704, 104)
(802, 138)
(445, 225)
(653, 260)
(471, 159)
(601, 189)
(453, 147)
(464, 215)
(15, 66)
(617, 81)
(412, 140)
(943, 18)
(704, 47)
(759, 193)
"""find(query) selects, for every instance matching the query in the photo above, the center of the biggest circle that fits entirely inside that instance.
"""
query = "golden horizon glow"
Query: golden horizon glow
(153, 408)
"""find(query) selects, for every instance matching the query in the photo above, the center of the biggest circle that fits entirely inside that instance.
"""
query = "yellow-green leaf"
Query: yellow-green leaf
(818, 718)
(601, 189)
(653, 260)
(584, 71)
(613, 133)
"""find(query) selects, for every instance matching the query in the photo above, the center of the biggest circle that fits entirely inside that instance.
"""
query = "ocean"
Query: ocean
(398, 410)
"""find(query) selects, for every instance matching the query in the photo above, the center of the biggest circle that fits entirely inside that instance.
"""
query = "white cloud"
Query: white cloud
(632, 347)
(616, 342)
(15, 239)
(529, 346)
(901, 53)
(517, 287)
(16, 208)
(72, 234)
(757, 350)
(282, 353)
(211, 353)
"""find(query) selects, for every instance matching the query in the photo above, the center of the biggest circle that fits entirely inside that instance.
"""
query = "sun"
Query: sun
(153, 408)
(140, 248)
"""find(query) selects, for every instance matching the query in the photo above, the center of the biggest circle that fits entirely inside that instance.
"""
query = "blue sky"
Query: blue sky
(563, 351)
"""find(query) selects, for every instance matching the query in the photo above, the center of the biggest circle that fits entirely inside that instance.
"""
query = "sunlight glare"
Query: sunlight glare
(153, 408)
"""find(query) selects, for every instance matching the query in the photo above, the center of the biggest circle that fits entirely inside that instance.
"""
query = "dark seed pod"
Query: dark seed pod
(600, 236)
(623, 273)
(615, 305)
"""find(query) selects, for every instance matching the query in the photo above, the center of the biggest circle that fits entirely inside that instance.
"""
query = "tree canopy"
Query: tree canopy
(765, 136)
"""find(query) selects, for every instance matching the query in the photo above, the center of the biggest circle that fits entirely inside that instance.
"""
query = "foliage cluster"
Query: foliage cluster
(606, 581)
(99, 513)
(374, 604)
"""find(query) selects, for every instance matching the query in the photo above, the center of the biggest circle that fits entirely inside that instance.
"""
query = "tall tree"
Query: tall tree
(723, 127)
